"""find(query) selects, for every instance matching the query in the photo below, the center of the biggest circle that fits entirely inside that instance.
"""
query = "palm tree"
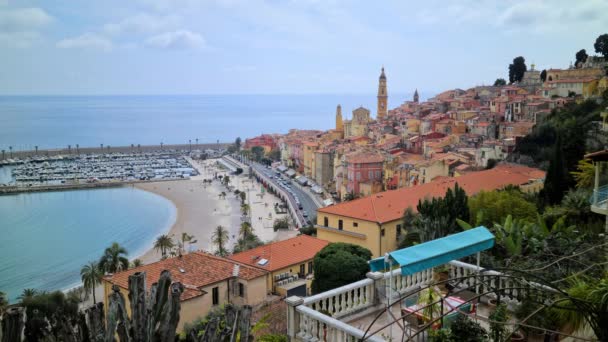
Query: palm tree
(136, 263)
(27, 293)
(226, 180)
(164, 243)
(91, 277)
(245, 230)
(187, 238)
(219, 239)
(114, 259)
(245, 209)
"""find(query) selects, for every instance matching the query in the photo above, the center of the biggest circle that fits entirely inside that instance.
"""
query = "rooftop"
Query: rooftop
(281, 254)
(389, 205)
(194, 270)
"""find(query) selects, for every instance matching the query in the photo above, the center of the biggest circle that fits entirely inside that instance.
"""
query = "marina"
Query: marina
(96, 168)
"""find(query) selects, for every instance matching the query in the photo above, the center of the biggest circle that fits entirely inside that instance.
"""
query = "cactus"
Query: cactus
(154, 317)
(12, 325)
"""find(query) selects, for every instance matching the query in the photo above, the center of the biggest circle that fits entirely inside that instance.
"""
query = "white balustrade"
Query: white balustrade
(344, 300)
(315, 326)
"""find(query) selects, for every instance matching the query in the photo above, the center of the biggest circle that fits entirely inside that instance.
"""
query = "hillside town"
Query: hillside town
(451, 134)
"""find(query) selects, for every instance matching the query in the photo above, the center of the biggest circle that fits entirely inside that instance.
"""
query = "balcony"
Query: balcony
(599, 200)
(359, 311)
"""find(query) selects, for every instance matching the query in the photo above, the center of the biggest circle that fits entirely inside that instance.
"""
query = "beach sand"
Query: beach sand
(200, 209)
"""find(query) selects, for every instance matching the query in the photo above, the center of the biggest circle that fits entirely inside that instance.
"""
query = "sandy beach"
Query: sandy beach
(200, 208)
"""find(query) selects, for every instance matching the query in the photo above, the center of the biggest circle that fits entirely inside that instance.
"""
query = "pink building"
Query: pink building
(363, 167)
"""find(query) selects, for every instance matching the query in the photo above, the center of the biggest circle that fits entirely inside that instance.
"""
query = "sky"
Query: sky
(289, 46)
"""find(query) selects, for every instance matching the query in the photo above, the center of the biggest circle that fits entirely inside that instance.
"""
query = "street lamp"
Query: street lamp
(161, 145)
(190, 144)
(11, 151)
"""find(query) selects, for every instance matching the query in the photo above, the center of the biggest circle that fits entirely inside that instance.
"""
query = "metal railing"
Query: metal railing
(600, 197)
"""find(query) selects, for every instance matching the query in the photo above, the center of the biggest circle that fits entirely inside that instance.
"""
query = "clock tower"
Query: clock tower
(382, 97)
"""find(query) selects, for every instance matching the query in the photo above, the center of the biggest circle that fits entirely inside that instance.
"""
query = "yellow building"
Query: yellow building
(209, 282)
(382, 97)
(358, 125)
(289, 263)
(309, 158)
(375, 222)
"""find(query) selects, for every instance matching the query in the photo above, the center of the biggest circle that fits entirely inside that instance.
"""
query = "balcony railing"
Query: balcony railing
(323, 317)
(599, 198)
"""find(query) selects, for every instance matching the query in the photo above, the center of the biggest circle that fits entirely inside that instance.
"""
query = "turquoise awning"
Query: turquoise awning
(437, 252)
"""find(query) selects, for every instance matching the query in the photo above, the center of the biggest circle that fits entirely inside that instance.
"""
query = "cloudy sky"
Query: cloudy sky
(281, 46)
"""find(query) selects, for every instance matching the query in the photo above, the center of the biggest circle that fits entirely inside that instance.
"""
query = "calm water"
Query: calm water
(46, 237)
(58, 121)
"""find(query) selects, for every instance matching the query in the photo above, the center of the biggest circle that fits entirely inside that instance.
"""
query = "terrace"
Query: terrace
(387, 305)
(599, 199)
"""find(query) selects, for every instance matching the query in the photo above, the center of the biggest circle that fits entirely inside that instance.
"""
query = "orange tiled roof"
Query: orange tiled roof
(200, 269)
(282, 254)
(389, 205)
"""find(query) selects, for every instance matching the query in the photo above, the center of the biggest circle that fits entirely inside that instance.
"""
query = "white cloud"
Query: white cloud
(180, 39)
(142, 23)
(23, 19)
(86, 41)
(20, 27)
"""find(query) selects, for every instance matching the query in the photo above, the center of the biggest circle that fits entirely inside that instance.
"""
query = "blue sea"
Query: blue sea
(58, 121)
(46, 237)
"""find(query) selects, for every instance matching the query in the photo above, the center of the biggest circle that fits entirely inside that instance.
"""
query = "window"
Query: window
(358, 175)
(340, 224)
(302, 270)
(325, 221)
(382, 232)
(398, 231)
(241, 290)
(216, 295)
(355, 224)
(310, 267)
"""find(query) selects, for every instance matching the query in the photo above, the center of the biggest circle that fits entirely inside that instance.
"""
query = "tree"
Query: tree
(91, 275)
(280, 223)
(219, 238)
(257, 152)
(186, 238)
(493, 206)
(243, 197)
(464, 329)
(163, 244)
(42, 311)
(584, 174)
(237, 143)
(581, 57)
(136, 263)
(27, 293)
(246, 243)
(555, 181)
(543, 75)
(338, 264)
(601, 45)
(245, 209)
(226, 180)
(274, 154)
(500, 82)
(114, 259)
(517, 69)
(245, 230)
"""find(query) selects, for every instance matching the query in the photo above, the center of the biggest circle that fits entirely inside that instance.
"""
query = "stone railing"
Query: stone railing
(403, 284)
(345, 300)
(512, 289)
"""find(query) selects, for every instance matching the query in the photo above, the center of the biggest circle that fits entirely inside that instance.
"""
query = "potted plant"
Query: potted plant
(498, 318)
(441, 273)
(464, 329)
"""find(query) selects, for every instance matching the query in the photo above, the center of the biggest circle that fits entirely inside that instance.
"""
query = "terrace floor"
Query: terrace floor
(481, 316)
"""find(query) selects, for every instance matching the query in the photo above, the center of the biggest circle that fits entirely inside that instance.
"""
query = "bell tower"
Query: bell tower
(382, 97)
(416, 97)
(339, 122)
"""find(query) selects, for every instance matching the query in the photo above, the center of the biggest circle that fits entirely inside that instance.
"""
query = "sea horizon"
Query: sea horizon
(56, 121)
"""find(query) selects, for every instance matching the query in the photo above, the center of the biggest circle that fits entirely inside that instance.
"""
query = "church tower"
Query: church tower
(416, 97)
(339, 122)
(382, 97)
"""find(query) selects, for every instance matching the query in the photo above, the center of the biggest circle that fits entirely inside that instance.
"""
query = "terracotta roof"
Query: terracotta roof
(200, 269)
(365, 157)
(389, 205)
(282, 254)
